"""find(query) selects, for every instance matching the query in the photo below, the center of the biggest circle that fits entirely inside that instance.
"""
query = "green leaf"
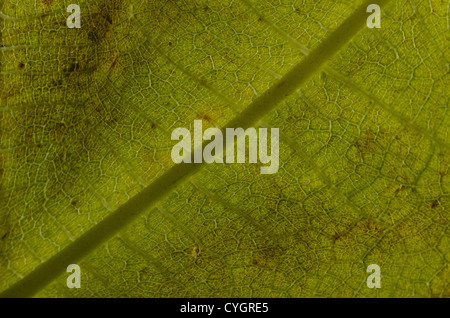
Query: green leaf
(87, 176)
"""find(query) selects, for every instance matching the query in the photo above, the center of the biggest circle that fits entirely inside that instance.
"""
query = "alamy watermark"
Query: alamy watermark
(74, 279)
(235, 146)
(374, 279)
(74, 20)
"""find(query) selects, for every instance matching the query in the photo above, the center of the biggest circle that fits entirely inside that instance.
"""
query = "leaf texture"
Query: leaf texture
(87, 176)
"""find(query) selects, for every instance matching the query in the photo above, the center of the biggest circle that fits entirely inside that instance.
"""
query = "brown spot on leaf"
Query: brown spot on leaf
(196, 251)
(369, 226)
(206, 117)
(336, 236)
(108, 18)
(267, 255)
(114, 62)
(367, 142)
(73, 66)
(281, 84)
(398, 189)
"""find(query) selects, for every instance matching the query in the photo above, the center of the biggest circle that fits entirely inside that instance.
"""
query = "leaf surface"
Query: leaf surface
(87, 176)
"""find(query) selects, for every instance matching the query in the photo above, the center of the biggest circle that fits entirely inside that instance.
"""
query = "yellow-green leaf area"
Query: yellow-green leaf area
(85, 149)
